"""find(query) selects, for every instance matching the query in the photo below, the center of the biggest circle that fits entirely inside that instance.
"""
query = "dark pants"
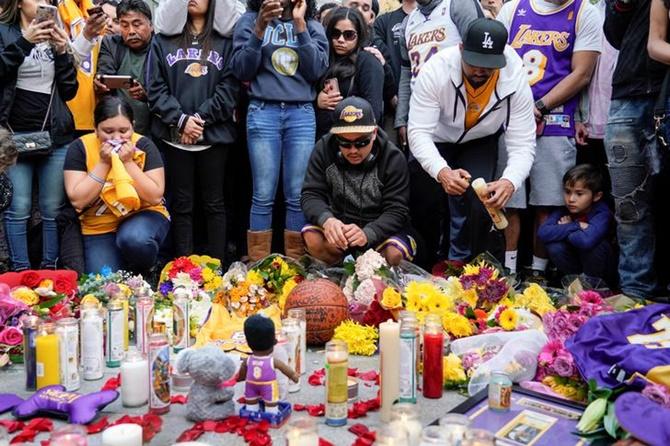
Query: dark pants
(470, 224)
(133, 246)
(600, 261)
(188, 172)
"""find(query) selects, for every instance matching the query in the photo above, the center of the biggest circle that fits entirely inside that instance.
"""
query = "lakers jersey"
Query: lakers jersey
(425, 36)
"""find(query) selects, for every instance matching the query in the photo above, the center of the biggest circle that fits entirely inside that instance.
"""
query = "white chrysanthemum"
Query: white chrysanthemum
(348, 289)
(365, 292)
(368, 264)
(183, 280)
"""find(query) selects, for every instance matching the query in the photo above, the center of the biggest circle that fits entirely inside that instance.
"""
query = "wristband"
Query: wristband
(539, 104)
(96, 178)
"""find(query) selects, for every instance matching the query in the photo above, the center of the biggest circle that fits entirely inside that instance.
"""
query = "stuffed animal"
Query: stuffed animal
(210, 368)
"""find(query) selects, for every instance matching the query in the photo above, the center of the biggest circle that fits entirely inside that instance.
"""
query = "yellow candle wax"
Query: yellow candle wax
(46, 357)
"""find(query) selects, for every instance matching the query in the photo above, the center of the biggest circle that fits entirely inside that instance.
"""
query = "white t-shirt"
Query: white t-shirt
(37, 71)
(588, 29)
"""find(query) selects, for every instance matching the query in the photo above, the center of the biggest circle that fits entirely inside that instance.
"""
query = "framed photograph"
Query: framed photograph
(534, 419)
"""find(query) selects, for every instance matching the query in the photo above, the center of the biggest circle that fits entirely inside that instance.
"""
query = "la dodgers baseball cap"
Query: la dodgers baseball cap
(353, 115)
(484, 44)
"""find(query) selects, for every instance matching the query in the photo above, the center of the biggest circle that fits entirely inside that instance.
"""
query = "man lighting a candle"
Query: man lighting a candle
(465, 97)
(356, 190)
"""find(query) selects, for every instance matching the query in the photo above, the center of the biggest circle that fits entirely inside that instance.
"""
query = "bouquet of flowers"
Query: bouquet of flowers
(11, 334)
(556, 366)
(107, 284)
(279, 276)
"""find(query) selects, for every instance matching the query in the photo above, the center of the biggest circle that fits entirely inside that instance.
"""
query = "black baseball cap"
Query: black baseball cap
(484, 44)
(353, 115)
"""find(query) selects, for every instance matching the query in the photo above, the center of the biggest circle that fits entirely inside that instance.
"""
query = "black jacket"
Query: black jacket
(13, 50)
(180, 84)
(627, 29)
(374, 196)
(112, 52)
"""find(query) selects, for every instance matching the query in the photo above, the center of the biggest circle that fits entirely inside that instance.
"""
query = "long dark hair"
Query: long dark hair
(205, 38)
(11, 13)
(345, 66)
(255, 6)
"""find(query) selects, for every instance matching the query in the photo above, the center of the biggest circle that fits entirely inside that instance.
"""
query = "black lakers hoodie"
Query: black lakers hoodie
(182, 82)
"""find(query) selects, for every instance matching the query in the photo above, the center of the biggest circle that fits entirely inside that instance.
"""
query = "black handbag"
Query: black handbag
(34, 144)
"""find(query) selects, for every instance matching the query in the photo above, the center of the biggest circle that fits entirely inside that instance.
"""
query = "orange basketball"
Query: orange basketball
(325, 308)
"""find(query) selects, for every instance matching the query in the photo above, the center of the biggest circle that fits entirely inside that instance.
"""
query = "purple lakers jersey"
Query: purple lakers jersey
(612, 348)
(260, 369)
(545, 42)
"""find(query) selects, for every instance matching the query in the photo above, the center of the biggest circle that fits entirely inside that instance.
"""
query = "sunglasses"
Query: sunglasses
(358, 144)
(348, 34)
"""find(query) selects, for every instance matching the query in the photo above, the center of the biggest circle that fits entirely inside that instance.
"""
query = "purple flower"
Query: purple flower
(575, 322)
(590, 297)
(658, 394)
(484, 275)
(8, 306)
(564, 365)
(111, 289)
(468, 281)
(557, 325)
(165, 288)
(494, 291)
(471, 359)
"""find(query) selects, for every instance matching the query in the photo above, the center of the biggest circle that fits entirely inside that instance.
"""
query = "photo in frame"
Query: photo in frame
(534, 419)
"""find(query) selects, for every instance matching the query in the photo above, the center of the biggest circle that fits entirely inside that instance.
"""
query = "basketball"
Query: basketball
(325, 307)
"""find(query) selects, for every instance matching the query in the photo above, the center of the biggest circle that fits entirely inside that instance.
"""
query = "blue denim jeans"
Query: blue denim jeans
(629, 135)
(134, 246)
(280, 138)
(598, 261)
(49, 172)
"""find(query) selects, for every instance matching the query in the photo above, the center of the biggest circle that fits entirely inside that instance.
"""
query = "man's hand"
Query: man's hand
(95, 26)
(99, 87)
(402, 137)
(538, 114)
(299, 10)
(270, 9)
(564, 220)
(375, 52)
(454, 181)
(355, 235)
(137, 92)
(499, 193)
(333, 230)
(581, 133)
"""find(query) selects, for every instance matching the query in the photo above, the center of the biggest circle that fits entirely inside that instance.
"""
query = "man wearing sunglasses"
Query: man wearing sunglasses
(464, 98)
(356, 190)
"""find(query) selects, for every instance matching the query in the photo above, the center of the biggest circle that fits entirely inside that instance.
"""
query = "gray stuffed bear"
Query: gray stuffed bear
(209, 367)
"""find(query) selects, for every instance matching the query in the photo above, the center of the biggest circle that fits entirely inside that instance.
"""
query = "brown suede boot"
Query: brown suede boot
(259, 244)
(294, 247)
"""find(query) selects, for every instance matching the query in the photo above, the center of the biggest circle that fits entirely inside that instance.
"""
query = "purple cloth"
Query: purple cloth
(644, 419)
(545, 42)
(624, 343)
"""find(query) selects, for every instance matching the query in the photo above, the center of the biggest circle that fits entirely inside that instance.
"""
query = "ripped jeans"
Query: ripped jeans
(630, 131)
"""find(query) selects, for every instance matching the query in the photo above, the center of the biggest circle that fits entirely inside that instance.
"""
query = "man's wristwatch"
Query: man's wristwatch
(541, 107)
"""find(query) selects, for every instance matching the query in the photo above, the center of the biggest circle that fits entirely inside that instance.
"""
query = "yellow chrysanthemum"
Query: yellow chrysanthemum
(207, 274)
(470, 297)
(438, 303)
(391, 299)
(534, 298)
(457, 325)
(26, 295)
(240, 291)
(360, 339)
(286, 290)
(255, 278)
(508, 319)
(452, 370)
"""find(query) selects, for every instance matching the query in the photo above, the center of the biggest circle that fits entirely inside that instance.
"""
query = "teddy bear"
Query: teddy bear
(209, 368)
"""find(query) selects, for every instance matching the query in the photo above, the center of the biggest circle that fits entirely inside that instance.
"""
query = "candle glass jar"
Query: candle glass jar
(30, 326)
(478, 437)
(500, 391)
(433, 350)
(337, 393)
(454, 426)
(134, 385)
(71, 435)
(406, 415)
(392, 435)
(301, 315)
(433, 435)
(47, 356)
(292, 331)
(302, 431)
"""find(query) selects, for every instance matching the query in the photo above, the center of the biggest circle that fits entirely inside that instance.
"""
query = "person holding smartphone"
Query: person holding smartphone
(282, 51)
(357, 72)
(37, 76)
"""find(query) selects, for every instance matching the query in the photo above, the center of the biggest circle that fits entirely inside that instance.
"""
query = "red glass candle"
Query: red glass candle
(433, 347)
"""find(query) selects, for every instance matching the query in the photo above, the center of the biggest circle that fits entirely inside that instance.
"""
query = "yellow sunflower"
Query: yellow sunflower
(508, 319)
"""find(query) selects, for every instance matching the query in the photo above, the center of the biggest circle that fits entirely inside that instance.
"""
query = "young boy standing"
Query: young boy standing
(578, 236)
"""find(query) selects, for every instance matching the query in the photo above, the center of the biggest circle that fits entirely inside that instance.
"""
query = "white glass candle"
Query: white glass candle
(433, 436)
(389, 358)
(392, 435)
(406, 416)
(134, 379)
(302, 431)
(122, 435)
(454, 426)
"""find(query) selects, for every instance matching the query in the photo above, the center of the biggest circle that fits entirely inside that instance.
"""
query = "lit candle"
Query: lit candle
(134, 385)
(389, 359)
(123, 435)
(302, 431)
(47, 356)
(433, 346)
(406, 416)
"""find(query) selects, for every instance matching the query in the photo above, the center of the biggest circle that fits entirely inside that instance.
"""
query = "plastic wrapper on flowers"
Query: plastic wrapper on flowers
(514, 353)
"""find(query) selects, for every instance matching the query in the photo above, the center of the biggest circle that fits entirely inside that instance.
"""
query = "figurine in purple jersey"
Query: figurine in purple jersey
(259, 370)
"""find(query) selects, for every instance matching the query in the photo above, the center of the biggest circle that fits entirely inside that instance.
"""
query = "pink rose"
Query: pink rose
(658, 394)
(564, 365)
(11, 336)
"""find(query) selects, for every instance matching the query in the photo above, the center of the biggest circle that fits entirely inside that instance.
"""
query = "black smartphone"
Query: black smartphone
(112, 82)
(94, 10)
(46, 13)
(287, 13)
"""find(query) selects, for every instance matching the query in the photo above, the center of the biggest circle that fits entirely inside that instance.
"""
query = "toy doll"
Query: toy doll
(259, 370)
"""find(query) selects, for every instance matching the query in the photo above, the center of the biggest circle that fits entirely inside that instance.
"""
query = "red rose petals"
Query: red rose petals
(112, 383)
(178, 399)
(12, 426)
(98, 427)
(255, 434)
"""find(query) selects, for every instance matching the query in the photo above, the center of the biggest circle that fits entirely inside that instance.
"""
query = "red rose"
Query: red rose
(63, 285)
(59, 311)
(31, 279)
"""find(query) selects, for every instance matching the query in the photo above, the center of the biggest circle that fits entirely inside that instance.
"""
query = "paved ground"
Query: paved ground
(12, 380)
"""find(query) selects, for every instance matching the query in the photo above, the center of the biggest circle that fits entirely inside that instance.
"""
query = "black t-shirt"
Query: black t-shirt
(76, 155)
(28, 111)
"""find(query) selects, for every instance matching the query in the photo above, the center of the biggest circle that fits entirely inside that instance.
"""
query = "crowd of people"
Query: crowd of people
(129, 117)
